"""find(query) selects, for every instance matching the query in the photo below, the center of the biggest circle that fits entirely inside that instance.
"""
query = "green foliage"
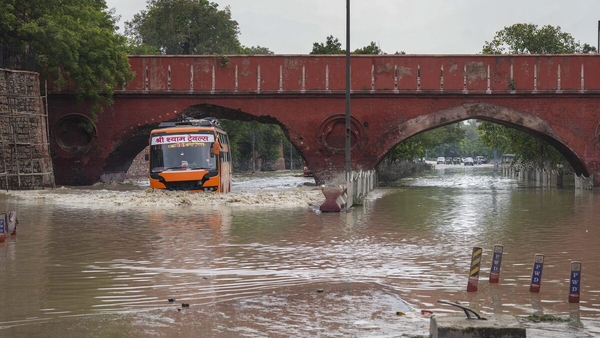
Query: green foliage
(135, 49)
(334, 46)
(372, 48)
(446, 141)
(256, 50)
(188, 27)
(472, 145)
(75, 42)
(223, 60)
(545, 318)
(458, 139)
(267, 139)
(407, 150)
(417, 146)
(523, 38)
(527, 148)
(331, 46)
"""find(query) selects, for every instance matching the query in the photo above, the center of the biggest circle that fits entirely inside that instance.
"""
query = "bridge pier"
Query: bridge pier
(335, 199)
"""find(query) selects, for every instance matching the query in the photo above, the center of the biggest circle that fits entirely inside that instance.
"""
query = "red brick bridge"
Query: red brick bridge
(556, 98)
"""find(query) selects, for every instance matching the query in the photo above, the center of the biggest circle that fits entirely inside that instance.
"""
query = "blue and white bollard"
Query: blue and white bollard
(496, 261)
(575, 287)
(3, 225)
(536, 275)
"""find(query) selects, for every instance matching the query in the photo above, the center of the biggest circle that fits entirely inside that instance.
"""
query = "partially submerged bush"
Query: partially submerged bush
(393, 171)
(546, 319)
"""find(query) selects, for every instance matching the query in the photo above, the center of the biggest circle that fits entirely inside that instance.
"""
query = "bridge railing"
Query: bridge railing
(358, 185)
(466, 74)
(584, 183)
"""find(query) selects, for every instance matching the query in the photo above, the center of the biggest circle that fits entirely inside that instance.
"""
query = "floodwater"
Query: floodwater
(126, 261)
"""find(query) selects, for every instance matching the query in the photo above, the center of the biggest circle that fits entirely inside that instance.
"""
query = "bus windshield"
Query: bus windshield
(182, 152)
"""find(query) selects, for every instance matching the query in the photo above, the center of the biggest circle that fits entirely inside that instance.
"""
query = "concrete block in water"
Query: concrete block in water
(460, 327)
(334, 199)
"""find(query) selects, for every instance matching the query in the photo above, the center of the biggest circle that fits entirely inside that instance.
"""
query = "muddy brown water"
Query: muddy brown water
(104, 269)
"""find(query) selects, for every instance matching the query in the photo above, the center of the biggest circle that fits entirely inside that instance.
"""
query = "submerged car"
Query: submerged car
(468, 161)
(440, 160)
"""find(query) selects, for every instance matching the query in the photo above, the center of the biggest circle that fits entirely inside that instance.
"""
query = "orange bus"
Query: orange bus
(191, 155)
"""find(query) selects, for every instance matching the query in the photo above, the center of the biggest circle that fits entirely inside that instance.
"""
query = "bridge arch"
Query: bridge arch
(125, 151)
(129, 146)
(509, 117)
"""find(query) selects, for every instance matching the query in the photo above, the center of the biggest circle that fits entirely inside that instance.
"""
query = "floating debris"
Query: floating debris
(426, 313)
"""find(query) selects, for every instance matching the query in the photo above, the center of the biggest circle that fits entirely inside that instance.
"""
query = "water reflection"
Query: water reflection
(246, 271)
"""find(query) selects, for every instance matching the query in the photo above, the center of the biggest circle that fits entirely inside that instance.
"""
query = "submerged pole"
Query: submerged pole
(348, 84)
(474, 271)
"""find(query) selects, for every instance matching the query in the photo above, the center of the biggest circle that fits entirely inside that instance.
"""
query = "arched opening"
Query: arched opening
(128, 157)
(259, 143)
(512, 127)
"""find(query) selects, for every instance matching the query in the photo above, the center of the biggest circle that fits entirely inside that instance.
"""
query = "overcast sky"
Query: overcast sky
(413, 26)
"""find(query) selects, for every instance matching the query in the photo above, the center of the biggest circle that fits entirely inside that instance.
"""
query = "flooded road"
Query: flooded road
(125, 261)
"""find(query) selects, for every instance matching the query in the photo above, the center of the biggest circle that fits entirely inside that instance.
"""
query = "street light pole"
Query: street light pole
(348, 83)
(253, 159)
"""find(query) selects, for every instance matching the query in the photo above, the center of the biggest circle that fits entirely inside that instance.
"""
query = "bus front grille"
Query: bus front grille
(183, 185)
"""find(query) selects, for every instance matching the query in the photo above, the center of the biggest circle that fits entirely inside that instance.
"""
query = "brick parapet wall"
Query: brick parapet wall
(25, 161)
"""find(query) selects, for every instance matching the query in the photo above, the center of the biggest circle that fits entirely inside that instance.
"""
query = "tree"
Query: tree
(444, 139)
(135, 49)
(371, 48)
(524, 38)
(334, 46)
(188, 27)
(331, 46)
(75, 41)
(256, 50)
(528, 39)
(472, 144)
(264, 139)
(529, 150)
